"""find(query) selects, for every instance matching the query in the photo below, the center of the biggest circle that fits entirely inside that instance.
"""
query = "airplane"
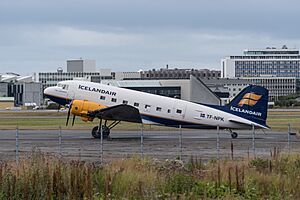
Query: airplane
(90, 100)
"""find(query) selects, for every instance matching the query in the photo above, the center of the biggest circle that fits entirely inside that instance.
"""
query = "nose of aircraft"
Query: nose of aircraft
(48, 91)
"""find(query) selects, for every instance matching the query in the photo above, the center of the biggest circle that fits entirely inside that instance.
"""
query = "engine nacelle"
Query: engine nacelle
(83, 107)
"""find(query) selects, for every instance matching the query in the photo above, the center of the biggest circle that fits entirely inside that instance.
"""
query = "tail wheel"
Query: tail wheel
(96, 134)
(234, 135)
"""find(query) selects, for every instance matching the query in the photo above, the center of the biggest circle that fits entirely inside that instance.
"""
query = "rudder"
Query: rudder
(251, 103)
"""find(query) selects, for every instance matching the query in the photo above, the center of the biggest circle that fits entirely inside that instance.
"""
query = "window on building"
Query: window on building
(136, 104)
(113, 100)
(102, 97)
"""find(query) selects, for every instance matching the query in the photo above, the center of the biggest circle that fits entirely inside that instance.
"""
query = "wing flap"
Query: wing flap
(120, 112)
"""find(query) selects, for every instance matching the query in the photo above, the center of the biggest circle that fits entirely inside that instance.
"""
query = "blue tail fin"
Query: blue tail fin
(251, 103)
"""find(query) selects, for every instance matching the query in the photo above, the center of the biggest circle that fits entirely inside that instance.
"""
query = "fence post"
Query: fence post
(289, 138)
(180, 142)
(17, 145)
(59, 142)
(218, 143)
(253, 140)
(101, 142)
(142, 141)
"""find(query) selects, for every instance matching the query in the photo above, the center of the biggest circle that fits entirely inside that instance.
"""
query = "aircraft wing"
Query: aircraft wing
(120, 112)
(239, 122)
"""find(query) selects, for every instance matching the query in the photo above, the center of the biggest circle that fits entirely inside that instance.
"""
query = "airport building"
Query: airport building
(282, 62)
(191, 89)
(126, 75)
(166, 73)
(22, 89)
(81, 65)
(226, 88)
(276, 69)
(76, 70)
(277, 86)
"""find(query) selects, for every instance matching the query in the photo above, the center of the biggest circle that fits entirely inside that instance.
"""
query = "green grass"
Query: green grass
(52, 120)
(44, 177)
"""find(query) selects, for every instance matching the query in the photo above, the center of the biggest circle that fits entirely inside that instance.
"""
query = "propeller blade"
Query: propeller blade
(73, 120)
(69, 112)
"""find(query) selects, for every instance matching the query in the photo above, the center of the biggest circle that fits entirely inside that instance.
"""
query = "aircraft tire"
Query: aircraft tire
(234, 135)
(97, 134)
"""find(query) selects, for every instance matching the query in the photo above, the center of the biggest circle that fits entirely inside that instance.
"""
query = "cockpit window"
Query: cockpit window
(63, 86)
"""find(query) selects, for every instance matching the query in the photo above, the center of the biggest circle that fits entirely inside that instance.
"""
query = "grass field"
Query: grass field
(44, 177)
(277, 120)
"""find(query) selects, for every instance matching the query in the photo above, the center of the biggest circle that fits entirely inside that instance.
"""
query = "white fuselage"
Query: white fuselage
(154, 109)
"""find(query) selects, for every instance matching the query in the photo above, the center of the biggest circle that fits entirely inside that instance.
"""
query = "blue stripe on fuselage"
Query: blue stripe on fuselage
(59, 100)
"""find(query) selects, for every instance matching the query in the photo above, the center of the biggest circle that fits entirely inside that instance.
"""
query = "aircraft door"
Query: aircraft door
(179, 109)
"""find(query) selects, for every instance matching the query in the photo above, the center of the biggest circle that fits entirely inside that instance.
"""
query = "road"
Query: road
(78, 144)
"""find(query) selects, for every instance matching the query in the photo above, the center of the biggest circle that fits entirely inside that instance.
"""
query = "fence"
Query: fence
(172, 144)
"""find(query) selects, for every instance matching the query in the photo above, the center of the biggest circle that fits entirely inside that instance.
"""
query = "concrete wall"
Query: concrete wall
(81, 65)
(3, 89)
(74, 65)
(33, 93)
(228, 68)
(193, 90)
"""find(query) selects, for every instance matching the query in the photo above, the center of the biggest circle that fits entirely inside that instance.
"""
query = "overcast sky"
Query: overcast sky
(128, 35)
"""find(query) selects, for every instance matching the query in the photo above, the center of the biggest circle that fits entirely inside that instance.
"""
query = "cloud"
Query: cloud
(74, 37)
(130, 34)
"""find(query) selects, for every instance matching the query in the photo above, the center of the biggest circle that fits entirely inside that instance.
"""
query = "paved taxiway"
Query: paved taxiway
(78, 144)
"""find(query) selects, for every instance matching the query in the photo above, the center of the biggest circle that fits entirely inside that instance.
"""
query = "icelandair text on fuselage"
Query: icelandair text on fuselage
(92, 89)
(245, 111)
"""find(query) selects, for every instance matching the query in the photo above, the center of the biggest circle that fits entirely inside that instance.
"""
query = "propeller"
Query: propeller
(58, 107)
(69, 112)
(73, 120)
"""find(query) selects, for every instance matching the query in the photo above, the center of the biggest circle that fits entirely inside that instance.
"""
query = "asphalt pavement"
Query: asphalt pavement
(200, 144)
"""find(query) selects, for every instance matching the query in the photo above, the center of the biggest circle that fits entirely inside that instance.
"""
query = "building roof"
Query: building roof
(133, 83)
(222, 81)
(7, 99)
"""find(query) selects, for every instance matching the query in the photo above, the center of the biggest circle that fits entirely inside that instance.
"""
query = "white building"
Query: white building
(21, 88)
(76, 70)
(127, 75)
(81, 65)
(277, 86)
(282, 62)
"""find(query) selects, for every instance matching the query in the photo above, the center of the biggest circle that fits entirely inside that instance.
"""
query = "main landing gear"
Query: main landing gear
(234, 135)
(96, 131)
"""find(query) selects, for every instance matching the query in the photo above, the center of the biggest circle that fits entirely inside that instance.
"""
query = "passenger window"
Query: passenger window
(178, 111)
(125, 102)
(147, 106)
(158, 109)
(169, 110)
(136, 104)
(113, 100)
(102, 97)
